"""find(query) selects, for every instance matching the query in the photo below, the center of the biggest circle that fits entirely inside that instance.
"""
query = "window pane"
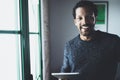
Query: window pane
(33, 15)
(10, 68)
(9, 14)
(35, 56)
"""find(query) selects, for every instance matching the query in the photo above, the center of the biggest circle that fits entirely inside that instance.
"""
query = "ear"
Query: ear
(95, 19)
(75, 22)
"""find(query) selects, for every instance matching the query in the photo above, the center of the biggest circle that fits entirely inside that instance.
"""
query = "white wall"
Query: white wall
(62, 28)
(114, 17)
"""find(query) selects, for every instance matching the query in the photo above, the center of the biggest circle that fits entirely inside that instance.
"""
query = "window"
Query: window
(10, 53)
(35, 42)
(20, 40)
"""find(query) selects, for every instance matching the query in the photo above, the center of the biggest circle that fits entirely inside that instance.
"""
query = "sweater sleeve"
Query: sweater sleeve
(118, 49)
(66, 66)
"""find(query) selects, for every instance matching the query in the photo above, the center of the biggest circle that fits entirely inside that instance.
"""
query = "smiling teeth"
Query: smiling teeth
(85, 27)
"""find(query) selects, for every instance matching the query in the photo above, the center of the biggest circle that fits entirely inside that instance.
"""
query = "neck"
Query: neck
(86, 38)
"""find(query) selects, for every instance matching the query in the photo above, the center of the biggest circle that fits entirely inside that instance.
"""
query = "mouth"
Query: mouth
(85, 28)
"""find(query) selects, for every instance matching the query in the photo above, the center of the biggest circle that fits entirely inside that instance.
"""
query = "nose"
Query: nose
(85, 20)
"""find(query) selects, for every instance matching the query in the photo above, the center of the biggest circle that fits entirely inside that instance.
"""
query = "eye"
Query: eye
(80, 18)
(90, 17)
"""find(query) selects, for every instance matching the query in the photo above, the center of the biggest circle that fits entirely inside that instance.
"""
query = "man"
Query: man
(94, 54)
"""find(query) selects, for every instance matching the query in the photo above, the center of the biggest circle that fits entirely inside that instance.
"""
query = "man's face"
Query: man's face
(85, 21)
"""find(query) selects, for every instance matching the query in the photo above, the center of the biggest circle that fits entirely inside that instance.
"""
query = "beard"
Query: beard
(87, 29)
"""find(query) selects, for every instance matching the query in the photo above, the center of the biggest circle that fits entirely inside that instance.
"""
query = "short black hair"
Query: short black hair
(86, 4)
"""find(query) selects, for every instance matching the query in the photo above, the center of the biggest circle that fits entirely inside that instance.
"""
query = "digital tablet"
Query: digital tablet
(65, 75)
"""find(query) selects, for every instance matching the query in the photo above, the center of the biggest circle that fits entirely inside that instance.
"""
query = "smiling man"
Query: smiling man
(94, 54)
(84, 19)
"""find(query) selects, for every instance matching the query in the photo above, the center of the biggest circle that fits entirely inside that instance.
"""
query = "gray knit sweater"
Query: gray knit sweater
(94, 60)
